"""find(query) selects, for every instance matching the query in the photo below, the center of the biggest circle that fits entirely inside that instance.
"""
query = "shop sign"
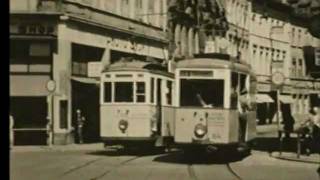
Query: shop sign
(263, 87)
(34, 29)
(287, 89)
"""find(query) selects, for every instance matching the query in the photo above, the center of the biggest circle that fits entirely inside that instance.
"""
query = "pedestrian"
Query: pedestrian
(288, 121)
(305, 130)
(316, 130)
(11, 123)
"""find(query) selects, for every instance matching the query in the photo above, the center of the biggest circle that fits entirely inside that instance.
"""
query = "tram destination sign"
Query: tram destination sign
(186, 73)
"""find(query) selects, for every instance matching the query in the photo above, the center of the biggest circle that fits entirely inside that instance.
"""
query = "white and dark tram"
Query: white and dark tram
(136, 104)
(215, 99)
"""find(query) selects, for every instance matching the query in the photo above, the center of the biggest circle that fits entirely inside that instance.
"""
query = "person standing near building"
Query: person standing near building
(11, 123)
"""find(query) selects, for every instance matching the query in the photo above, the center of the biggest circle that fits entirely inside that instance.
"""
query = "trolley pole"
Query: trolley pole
(49, 120)
(278, 108)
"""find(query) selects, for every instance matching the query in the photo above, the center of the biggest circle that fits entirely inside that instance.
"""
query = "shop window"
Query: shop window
(169, 93)
(140, 92)
(123, 92)
(63, 114)
(107, 92)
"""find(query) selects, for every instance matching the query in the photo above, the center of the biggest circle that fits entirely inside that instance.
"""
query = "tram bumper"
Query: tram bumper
(127, 140)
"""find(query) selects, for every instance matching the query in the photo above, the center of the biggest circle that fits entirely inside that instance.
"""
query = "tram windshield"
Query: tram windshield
(124, 92)
(202, 92)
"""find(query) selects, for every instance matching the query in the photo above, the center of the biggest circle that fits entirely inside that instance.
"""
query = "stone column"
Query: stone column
(184, 41)
(177, 40)
(145, 4)
(190, 42)
(62, 74)
(118, 7)
(132, 9)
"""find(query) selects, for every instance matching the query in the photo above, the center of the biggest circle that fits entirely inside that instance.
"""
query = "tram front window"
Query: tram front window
(123, 92)
(201, 92)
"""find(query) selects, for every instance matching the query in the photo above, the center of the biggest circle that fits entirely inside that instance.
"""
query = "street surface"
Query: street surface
(96, 163)
(111, 164)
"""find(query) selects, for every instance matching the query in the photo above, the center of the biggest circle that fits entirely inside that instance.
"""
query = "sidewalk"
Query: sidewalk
(290, 156)
(60, 148)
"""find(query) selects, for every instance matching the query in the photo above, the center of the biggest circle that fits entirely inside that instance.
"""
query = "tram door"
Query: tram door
(159, 105)
(85, 97)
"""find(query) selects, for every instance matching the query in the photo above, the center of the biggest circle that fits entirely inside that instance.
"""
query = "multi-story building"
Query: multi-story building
(57, 51)
(281, 42)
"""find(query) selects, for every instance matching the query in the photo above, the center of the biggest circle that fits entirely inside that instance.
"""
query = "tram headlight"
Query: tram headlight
(200, 130)
(123, 125)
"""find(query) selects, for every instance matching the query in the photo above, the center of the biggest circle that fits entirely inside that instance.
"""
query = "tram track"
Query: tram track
(115, 168)
(193, 175)
(233, 172)
(80, 167)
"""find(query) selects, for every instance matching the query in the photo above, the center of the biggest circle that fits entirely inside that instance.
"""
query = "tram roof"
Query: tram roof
(206, 63)
(137, 65)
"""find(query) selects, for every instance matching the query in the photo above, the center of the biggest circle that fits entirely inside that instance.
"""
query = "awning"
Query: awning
(263, 98)
(85, 80)
(286, 99)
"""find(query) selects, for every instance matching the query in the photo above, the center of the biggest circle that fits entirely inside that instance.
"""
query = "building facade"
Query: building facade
(281, 42)
(58, 49)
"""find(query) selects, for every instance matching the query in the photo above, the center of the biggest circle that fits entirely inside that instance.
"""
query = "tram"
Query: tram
(210, 93)
(136, 104)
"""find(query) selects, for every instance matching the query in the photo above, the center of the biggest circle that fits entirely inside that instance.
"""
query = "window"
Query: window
(123, 92)
(152, 90)
(39, 49)
(169, 93)
(201, 93)
(140, 92)
(63, 114)
(234, 90)
(107, 92)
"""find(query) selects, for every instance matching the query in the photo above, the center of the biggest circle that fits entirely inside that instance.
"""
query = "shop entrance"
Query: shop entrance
(30, 120)
(85, 97)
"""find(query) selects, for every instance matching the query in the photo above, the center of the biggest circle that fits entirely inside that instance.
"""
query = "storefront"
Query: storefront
(265, 103)
(32, 44)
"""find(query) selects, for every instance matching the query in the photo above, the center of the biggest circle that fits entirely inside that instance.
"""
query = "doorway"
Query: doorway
(85, 97)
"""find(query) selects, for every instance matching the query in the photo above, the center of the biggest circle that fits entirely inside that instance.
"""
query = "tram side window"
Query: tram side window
(169, 93)
(243, 88)
(140, 92)
(107, 92)
(123, 92)
(233, 91)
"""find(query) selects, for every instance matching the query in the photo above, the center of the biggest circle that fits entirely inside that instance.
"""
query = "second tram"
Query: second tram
(136, 105)
(215, 101)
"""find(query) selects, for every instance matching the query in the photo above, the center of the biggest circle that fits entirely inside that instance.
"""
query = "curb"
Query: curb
(312, 159)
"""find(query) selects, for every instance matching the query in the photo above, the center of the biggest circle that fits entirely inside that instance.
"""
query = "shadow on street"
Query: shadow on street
(127, 152)
(180, 157)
